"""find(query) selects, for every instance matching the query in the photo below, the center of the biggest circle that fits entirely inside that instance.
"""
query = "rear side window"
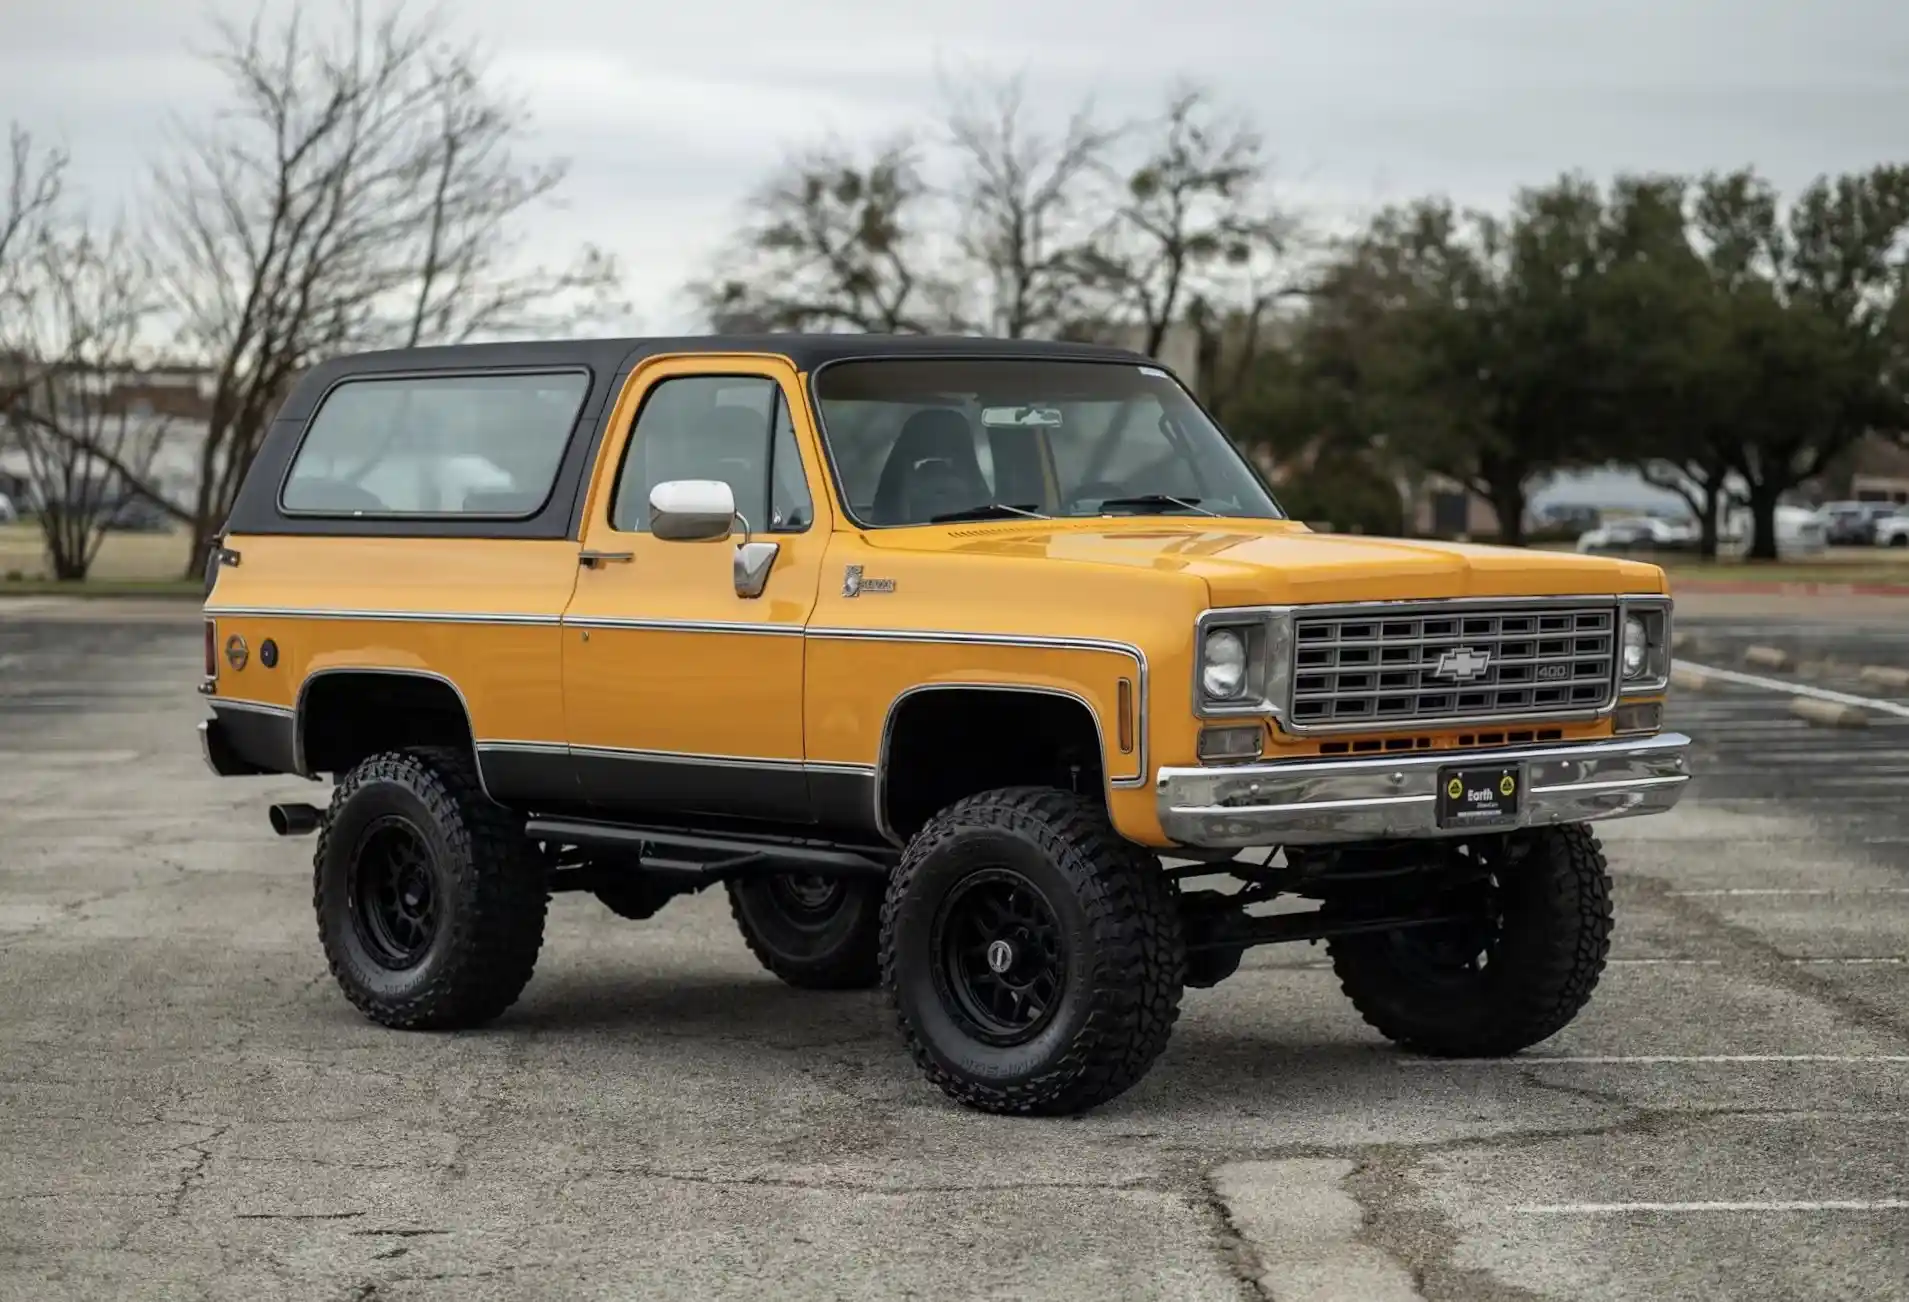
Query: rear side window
(486, 445)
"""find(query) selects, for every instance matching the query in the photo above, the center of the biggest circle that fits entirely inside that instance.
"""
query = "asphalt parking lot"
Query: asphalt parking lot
(189, 1109)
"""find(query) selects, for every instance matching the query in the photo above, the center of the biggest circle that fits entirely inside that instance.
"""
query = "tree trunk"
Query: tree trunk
(69, 562)
(1710, 521)
(1763, 523)
(1507, 498)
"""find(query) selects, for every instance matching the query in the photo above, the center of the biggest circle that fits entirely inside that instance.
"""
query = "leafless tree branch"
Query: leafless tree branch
(365, 189)
(1019, 198)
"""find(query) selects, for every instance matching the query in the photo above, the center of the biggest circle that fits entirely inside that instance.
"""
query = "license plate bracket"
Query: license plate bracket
(1481, 796)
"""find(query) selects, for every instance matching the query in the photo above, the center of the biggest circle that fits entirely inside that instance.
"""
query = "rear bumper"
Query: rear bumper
(1322, 802)
(215, 744)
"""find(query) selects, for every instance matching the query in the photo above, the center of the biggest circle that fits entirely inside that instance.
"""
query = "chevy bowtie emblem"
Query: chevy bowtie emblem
(1462, 664)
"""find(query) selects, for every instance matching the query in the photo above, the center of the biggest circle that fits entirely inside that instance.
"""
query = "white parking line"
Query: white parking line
(1664, 1060)
(1789, 890)
(1620, 1209)
(1800, 689)
(1828, 959)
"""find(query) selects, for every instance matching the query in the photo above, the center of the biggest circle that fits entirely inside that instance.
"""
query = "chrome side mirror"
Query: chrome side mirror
(692, 510)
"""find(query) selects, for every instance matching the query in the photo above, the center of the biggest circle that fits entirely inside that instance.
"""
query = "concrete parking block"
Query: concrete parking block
(1829, 714)
(1767, 657)
(1885, 675)
(1688, 678)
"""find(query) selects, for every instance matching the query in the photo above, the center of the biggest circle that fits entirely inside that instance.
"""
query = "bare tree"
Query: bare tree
(1021, 196)
(77, 306)
(363, 189)
(33, 188)
(833, 243)
(1193, 235)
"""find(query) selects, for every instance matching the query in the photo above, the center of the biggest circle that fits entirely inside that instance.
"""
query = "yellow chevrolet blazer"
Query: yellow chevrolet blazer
(986, 671)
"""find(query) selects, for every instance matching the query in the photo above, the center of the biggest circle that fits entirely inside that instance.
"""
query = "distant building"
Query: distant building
(1876, 470)
(167, 410)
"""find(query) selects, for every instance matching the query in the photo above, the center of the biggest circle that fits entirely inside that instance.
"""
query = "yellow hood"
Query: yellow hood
(1278, 562)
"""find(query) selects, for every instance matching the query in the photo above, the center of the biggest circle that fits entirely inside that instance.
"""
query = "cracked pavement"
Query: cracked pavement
(189, 1109)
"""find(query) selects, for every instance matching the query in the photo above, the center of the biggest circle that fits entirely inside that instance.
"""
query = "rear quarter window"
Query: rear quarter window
(441, 445)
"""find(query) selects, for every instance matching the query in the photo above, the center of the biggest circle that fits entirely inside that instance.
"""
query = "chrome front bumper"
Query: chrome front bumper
(1320, 802)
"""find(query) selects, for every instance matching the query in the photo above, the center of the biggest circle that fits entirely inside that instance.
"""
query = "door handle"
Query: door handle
(595, 558)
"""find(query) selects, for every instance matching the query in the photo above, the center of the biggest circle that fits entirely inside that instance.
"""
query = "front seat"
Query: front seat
(736, 445)
(932, 470)
(726, 443)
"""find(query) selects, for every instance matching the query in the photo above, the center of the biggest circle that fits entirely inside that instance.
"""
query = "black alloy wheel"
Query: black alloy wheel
(1001, 959)
(395, 892)
(814, 932)
(806, 894)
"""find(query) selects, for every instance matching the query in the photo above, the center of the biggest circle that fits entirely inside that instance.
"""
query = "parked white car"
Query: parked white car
(1893, 530)
(1799, 532)
(1638, 533)
(8, 513)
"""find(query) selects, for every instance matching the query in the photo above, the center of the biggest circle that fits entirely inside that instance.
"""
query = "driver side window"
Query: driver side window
(733, 428)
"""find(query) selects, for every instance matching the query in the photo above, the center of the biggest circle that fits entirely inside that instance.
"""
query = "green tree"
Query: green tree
(1816, 324)
(1471, 333)
(1659, 353)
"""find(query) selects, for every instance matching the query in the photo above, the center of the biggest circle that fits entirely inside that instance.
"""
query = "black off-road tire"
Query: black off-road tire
(1117, 923)
(835, 945)
(489, 886)
(1554, 932)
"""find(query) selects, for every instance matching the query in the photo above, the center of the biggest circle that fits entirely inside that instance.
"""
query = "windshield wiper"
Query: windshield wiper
(1157, 500)
(988, 511)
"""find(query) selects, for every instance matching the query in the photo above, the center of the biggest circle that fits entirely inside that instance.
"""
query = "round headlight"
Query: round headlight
(1636, 646)
(1223, 665)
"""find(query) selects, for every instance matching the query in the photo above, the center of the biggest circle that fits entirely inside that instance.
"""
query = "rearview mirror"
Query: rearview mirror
(692, 510)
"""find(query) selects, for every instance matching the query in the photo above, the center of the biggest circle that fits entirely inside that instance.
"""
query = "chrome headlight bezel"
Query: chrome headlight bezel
(1653, 674)
(1267, 638)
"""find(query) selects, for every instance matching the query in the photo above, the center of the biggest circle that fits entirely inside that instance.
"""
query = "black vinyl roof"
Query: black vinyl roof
(608, 362)
(616, 356)
(804, 350)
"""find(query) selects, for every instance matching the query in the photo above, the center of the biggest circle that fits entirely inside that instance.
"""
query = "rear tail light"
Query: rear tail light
(211, 649)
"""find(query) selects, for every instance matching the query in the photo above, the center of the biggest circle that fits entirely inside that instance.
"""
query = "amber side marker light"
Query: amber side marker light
(1124, 708)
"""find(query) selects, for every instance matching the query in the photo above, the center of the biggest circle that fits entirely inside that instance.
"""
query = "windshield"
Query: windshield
(920, 442)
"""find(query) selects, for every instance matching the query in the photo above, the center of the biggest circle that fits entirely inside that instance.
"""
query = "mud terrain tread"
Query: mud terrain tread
(491, 955)
(1131, 908)
(855, 965)
(1569, 913)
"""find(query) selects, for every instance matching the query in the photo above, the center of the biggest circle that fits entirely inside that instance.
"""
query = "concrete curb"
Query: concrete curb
(1885, 675)
(1766, 657)
(1829, 714)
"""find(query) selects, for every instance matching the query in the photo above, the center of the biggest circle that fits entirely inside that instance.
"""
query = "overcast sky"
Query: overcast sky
(671, 111)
